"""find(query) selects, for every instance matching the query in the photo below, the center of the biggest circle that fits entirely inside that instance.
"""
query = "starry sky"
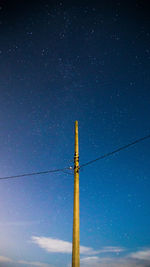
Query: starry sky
(62, 61)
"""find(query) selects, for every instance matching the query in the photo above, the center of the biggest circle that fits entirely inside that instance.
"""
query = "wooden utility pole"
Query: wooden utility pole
(76, 230)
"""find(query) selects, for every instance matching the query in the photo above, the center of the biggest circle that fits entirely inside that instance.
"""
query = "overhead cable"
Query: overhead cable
(115, 151)
(83, 165)
(35, 173)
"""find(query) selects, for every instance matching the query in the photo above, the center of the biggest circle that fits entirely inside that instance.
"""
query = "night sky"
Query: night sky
(60, 62)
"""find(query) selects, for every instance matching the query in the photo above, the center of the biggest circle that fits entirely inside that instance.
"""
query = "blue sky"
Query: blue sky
(61, 62)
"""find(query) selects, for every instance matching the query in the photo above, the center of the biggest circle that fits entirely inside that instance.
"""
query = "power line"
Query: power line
(35, 173)
(115, 151)
(83, 165)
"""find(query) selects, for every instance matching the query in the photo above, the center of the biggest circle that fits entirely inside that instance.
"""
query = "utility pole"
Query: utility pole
(76, 230)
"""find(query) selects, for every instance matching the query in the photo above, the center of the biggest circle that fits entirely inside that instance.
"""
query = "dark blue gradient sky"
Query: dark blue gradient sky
(60, 62)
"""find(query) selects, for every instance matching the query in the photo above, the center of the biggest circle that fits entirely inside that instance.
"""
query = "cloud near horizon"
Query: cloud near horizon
(139, 258)
(10, 262)
(5, 259)
(112, 262)
(90, 256)
(141, 255)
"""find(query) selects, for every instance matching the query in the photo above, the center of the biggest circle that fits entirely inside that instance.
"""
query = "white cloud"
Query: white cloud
(89, 260)
(12, 262)
(141, 255)
(140, 258)
(59, 246)
(111, 262)
(5, 259)
(52, 245)
(111, 250)
(32, 263)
